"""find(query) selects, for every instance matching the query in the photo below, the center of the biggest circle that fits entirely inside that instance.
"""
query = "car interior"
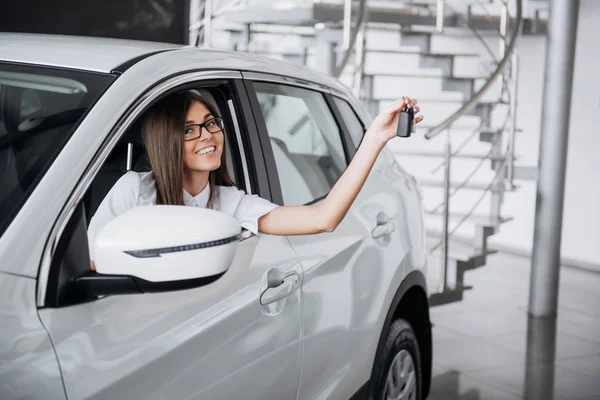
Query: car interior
(37, 112)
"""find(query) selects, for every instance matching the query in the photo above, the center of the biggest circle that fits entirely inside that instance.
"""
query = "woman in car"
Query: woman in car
(184, 140)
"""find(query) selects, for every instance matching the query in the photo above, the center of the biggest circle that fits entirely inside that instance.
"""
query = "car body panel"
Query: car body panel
(28, 367)
(187, 344)
(349, 276)
(75, 52)
(349, 281)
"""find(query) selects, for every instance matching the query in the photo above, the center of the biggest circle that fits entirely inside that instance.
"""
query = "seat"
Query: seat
(116, 166)
(9, 180)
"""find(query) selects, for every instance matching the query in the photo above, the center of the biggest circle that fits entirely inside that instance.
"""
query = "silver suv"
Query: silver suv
(336, 315)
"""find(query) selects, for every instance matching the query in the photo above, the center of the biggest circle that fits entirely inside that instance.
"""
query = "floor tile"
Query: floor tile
(441, 332)
(480, 343)
(451, 385)
(566, 346)
(473, 354)
(481, 323)
(585, 365)
(541, 381)
(582, 326)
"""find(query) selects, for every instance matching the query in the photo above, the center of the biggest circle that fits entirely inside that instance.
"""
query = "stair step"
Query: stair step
(284, 53)
(440, 75)
(421, 53)
(421, 72)
(459, 102)
(440, 97)
(488, 135)
(442, 154)
(457, 251)
(523, 172)
(448, 295)
(477, 219)
(272, 29)
(469, 185)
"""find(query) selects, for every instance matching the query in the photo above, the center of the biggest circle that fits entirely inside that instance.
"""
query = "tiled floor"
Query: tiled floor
(486, 347)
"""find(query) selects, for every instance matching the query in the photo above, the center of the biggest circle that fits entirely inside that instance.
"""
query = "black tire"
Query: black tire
(400, 336)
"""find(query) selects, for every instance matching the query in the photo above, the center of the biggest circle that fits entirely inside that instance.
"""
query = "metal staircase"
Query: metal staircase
(473, 94)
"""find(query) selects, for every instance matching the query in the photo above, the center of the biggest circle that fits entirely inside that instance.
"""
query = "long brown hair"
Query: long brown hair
(163, 139)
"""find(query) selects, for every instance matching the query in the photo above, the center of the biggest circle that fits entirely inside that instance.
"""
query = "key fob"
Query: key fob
(405, 122)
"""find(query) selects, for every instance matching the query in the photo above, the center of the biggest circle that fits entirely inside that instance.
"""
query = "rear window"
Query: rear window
(39, 109)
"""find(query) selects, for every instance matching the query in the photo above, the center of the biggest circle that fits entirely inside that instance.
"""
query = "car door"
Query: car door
(212, 342)
(347, 273)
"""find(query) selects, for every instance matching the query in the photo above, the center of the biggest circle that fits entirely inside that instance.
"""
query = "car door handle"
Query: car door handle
(278, 291)
(384, 226)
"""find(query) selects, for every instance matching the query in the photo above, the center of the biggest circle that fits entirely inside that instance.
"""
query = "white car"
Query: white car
(336, 315)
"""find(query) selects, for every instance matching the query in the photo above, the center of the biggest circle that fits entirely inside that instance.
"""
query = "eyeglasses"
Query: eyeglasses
(194, 131)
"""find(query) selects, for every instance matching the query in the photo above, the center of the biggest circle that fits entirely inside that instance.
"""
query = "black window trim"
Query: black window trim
(127, 119)
(357, 115)
(347, 141)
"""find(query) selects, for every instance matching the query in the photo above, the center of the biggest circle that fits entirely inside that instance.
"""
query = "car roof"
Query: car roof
(76, 52)
(106, 54)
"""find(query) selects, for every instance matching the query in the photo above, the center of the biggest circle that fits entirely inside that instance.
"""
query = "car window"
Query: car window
(39, 109)
(306, 141)
(354, 125)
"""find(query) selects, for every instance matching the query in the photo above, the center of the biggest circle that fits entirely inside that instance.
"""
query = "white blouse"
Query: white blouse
(138, 189)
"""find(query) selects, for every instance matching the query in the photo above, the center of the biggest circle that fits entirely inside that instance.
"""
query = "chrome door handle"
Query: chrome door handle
(283, 289)
(384, 226)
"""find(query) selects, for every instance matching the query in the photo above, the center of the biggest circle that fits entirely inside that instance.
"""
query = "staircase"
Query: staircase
(441, 52)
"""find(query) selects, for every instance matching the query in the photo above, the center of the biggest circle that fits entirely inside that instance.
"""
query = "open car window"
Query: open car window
(40, 107)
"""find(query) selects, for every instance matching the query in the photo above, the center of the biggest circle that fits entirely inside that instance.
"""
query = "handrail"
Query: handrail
(499, 69)
(359, 21)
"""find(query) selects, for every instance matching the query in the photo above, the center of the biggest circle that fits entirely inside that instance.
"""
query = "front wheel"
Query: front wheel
(397, 370)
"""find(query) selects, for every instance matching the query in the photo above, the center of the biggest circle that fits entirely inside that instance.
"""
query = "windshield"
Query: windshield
(39, 109)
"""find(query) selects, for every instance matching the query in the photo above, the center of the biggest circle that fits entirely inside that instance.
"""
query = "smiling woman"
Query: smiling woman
(178, 133)
(184, 139)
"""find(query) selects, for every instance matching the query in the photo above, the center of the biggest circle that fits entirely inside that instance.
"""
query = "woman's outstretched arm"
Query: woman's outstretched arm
(326, 216)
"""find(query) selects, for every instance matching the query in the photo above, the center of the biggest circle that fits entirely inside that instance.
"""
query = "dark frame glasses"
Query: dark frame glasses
(213, 125)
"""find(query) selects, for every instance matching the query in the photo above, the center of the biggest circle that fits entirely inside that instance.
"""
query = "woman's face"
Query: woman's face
(202, 154)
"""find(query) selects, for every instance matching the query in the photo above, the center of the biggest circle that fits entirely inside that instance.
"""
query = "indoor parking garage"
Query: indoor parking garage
(299, 199)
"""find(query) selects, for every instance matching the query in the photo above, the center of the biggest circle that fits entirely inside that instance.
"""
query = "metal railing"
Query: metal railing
(497, 72)
(507, 54)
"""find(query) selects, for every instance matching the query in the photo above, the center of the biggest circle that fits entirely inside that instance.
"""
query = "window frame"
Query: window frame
(254, 160)
(263, 134)
(339, 114)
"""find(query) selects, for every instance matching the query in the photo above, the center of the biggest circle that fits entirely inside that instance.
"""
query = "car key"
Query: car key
(405, 122)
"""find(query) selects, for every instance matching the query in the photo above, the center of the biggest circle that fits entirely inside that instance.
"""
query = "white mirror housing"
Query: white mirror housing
(167, 244)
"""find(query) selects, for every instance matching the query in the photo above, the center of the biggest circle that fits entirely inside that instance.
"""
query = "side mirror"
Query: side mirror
(162, 248)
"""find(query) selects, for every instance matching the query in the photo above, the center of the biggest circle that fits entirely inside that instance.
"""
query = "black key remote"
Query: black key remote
(405, 122)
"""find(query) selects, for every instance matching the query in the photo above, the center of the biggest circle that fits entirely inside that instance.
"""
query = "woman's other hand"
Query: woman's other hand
(385, 125)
